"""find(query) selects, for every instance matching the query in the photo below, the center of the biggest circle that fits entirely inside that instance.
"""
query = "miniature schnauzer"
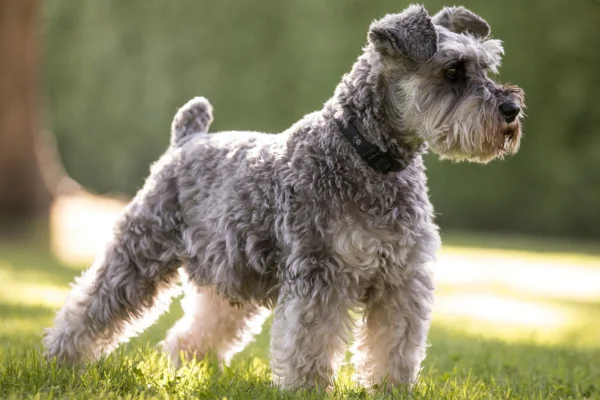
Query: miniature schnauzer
(330, 217)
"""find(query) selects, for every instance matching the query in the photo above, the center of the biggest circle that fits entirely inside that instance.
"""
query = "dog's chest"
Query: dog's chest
(367, 249)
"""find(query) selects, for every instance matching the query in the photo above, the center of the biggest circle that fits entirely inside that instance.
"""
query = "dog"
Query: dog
(328, 218)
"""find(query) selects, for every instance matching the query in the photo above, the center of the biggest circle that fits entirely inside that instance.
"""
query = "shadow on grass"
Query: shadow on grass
(532, 244)
(23, 311)
(34, 262)
(22, 325)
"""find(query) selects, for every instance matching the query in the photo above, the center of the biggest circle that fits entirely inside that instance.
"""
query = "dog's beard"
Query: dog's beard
(469, 130)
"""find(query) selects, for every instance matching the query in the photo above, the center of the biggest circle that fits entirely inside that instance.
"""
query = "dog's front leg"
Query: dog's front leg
(391, 340)
(311, 326)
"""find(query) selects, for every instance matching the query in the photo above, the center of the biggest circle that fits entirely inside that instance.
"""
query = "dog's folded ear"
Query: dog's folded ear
(461, 20)
(410, 33)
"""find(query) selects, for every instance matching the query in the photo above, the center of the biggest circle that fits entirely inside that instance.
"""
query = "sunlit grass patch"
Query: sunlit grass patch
(518, 296)
(566, 276)
(32, 294)
(81, 224)
(502, 310)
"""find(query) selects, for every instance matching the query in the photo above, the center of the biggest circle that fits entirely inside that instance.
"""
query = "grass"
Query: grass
(553, 352)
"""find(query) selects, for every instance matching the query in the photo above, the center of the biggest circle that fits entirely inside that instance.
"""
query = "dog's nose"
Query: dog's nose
(510, 111)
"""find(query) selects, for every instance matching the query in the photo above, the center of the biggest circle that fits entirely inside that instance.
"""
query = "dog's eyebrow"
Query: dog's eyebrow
(450, 57)
(486, 54)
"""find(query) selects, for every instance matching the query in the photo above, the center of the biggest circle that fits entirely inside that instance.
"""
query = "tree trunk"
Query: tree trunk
(23, 192)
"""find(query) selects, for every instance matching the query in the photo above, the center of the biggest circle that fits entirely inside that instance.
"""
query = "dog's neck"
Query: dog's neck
(364, 99)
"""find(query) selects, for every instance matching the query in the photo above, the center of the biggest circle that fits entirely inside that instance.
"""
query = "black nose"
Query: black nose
(510, 111)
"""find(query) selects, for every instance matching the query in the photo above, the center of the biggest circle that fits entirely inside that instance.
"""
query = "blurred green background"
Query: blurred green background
(517, 313)
(116, 71)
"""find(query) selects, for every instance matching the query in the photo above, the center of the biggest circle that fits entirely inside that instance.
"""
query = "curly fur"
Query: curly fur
(298, 222)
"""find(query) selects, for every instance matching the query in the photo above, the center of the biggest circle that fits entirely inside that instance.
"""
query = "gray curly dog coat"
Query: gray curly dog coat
(328, 217)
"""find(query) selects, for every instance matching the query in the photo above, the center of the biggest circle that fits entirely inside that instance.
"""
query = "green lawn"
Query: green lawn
(538, 344)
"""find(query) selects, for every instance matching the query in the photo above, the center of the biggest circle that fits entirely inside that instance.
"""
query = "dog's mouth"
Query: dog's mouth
(511, 135)
(506, 142)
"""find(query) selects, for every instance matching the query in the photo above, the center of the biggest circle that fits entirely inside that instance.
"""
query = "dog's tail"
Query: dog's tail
(194, 117)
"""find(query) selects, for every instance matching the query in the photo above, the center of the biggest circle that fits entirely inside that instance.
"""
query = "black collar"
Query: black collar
(377, 159)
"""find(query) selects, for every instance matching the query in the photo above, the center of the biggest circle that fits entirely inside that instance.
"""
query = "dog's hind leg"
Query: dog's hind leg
(211, 326)
(124, 291)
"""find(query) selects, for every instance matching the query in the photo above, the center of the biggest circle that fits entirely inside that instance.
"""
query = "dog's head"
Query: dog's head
(437, 74)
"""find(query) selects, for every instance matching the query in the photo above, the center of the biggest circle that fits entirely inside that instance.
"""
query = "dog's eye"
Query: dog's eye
(452, 73)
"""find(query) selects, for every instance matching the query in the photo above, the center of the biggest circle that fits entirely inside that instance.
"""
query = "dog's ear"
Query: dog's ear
(410, 33)
(461, 20)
